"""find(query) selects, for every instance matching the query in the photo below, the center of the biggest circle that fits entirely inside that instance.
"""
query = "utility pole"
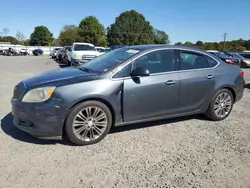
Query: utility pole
(224, 38)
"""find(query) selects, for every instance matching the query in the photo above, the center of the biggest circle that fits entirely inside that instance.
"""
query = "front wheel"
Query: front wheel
(88, 123)
(221, 105)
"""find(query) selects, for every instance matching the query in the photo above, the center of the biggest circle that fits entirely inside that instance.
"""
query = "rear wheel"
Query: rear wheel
(221, 105)
(88, 123)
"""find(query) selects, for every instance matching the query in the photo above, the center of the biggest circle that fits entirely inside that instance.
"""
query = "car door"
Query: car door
(197, 80)
(155, 95)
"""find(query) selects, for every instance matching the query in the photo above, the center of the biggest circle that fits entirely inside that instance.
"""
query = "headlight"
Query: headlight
(38, 95)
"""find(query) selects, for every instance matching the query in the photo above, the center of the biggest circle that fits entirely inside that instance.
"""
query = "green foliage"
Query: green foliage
(130, 28)
(41, 36)
(161, 37)
(10, 39)
(68, 35)
(92, 31)
(179, 44)
(27, 42)
(234, 45)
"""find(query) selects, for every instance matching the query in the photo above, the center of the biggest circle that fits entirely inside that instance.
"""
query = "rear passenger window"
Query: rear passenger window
(211, 61)
(190, 60)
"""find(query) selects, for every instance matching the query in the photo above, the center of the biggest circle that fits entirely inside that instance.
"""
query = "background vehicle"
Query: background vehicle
(125, 86)
(64, 57)
(37, 52)
(11, 52)
(54, 52)
(244, 61)
(101, 50)
(24, 52)
(81, 53)
(59, 54)
(225, 57)
(245, 54)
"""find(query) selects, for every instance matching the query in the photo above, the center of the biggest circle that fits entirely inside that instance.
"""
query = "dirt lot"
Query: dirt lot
(183, 152)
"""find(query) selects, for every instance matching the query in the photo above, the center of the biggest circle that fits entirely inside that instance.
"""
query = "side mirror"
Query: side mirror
(139, 72)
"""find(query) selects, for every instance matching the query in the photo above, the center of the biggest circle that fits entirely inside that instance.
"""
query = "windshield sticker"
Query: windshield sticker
(132, 51)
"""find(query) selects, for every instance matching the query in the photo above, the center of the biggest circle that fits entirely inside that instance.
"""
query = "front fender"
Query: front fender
(110, 92)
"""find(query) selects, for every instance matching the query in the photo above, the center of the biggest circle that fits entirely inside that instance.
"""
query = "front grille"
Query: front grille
(19, 90)
(88, 57)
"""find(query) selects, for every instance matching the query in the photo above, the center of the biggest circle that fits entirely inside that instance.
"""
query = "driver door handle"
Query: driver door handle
(170, 82)
(210, 76)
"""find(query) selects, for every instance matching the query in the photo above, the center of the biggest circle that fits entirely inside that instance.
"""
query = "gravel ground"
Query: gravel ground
(182, 152)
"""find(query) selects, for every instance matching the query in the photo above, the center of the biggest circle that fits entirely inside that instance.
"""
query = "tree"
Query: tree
(20, 37)
(26, 42)
(10, 39)
(5, 31)
(247, 44)
(178, 43)
(188, 44)
(41, 36)
(92, 31)
(161, 37)
(68, 35)
(130, 28)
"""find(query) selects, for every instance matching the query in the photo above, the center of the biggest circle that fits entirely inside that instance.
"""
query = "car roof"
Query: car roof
(83, 43)
(159, 46)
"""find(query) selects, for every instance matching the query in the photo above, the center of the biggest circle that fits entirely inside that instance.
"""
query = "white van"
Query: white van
(81, 53)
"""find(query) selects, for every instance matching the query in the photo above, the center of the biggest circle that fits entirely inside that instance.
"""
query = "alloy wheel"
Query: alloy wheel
(90, 123)
(222, 105)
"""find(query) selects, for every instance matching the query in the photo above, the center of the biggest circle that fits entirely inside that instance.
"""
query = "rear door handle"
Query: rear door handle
(210, 76)
(170, 82)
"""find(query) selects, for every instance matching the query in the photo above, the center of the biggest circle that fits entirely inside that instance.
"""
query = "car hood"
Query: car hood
(60, 77)
(79, 54)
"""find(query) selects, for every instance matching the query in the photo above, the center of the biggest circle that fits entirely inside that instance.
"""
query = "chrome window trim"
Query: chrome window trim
(168, 48)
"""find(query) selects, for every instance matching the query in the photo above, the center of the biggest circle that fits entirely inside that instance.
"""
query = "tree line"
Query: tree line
(234, 45)
(129, 28)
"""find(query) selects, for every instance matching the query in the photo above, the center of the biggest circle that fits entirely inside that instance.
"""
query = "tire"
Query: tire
(86, 134)
(211, 111)
(243, 65)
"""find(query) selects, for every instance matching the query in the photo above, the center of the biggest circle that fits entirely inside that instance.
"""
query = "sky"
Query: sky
(182, 20)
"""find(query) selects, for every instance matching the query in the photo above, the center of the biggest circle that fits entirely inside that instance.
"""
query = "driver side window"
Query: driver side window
(156, 62)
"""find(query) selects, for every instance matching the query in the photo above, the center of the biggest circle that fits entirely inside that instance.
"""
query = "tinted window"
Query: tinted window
(220, 55)
(157, 62)
(211, 61)
(189, 60)
(83, 47)
(125, 72)
(236, 55)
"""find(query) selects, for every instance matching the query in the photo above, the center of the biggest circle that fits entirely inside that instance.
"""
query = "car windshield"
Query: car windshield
(220, 55)
(110, 60)
(237, 56)
(84, 47)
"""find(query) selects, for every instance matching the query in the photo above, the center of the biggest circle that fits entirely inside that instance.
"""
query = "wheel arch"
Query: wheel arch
(230, 88)
(108, 104)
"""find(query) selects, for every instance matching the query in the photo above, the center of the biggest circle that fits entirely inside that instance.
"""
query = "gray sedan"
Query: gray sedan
(125, 86)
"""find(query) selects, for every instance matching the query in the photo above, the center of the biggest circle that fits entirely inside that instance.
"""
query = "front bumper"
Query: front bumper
(43, 120)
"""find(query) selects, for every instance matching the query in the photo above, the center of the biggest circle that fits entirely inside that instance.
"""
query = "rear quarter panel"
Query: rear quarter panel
(228, 76)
